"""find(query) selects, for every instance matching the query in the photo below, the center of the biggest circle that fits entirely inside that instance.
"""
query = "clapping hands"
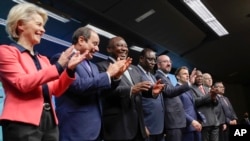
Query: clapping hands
(71, 59)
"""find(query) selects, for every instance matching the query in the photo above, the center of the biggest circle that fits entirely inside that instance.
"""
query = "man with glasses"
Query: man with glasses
(230, 115)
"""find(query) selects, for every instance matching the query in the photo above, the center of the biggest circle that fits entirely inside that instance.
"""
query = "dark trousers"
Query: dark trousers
(223, 135)
(191, 136)
(210, 133)
(159, 137)
(18, 131)
(138, 137)
(174, 135)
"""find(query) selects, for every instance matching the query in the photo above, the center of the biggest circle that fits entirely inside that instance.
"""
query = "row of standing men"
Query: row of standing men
(112, 100)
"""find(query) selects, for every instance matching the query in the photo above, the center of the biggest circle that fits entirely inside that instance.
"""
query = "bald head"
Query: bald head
(164, 63)
(207, 79)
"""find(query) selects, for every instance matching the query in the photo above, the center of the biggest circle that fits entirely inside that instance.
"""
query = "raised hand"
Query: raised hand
(124, 67)
(118, 68)
(192, 76)
(65, 56)
(158, 87)
(77, 58)
(213, 92)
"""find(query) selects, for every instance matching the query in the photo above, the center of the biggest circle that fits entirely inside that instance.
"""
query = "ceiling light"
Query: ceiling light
(145, 15)
(199, 8)
(136, 48)
(58, 41)
(51, 14)
(100, 31)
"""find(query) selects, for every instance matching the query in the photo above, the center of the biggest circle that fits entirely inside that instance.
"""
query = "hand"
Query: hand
(158, 87)
(124, 67)
(197, 126)
(119, 67)
(213, 92)
(76, 59)
(141, 86)
(224, 127)
(147, 131)
(233, 122)
(65, 56)
(192, 76)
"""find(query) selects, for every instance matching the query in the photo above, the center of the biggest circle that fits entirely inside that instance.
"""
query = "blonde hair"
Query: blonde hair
(22, 12)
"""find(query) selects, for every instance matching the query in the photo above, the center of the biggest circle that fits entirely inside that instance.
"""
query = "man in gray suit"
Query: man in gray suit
(206, 102)
(175, 119)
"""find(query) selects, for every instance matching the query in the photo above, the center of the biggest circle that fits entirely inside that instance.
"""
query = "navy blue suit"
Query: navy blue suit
(175, 118)
(153, 109)
(79, 108)
(189, 132)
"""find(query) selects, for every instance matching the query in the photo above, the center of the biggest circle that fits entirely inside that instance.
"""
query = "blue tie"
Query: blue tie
(87, 65)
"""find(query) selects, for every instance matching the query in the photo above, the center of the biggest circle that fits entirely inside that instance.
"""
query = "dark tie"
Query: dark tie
(225, 100)
(169, 81)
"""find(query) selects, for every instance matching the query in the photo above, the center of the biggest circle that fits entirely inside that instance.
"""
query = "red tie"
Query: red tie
(202, 90)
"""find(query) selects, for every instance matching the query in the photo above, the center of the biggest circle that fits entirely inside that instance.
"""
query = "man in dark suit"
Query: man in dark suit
(175, 119)
(122, 108)
(153, 109)
(205, 102)
(230, 115)
(79, 108)
(192, 132)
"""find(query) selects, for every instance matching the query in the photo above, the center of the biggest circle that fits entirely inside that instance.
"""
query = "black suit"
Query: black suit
(122, 112)
(175, 118)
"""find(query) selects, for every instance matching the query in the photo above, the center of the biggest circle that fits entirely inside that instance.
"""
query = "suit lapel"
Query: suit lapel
(86, 69)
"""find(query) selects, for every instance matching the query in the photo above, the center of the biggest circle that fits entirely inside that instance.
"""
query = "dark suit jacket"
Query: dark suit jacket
(205, 105)
(190, 110)
(122, 112)
(220, 112)
(228, 109)
(153, 109)
(79, 109)
(174, 112)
